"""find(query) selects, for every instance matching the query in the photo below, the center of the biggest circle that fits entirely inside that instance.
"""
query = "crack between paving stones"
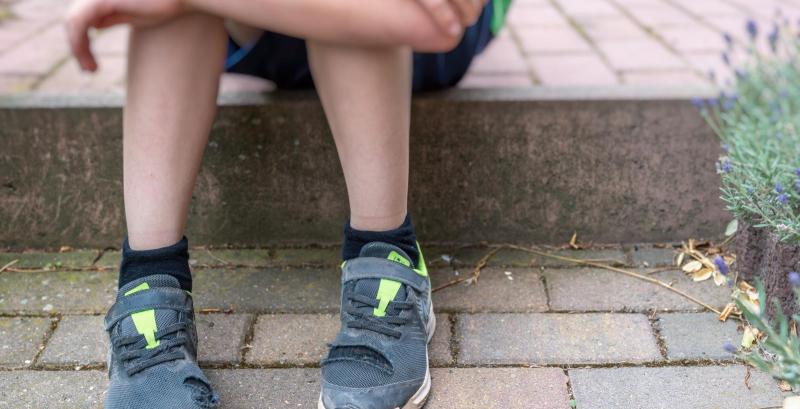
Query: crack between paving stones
(661, 342)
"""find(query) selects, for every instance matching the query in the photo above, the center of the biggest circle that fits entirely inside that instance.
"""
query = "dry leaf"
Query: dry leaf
(719, 279)
(784, 386)
(727, 311)
(702, 275)
(573, 242)
(680, 258)
(749, 337)
(692, 266)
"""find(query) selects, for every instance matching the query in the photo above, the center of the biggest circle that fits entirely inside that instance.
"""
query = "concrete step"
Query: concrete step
(535, 165)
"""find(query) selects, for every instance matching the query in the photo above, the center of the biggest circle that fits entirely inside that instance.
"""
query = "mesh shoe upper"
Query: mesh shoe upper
(384, 333)
(152, 362)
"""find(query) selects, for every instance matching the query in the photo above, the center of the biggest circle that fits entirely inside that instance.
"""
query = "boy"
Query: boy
(360, 55)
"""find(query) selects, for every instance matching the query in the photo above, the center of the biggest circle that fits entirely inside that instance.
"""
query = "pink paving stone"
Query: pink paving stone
(13, 31)
(611, 28)
(682, 78)
(711, 62)
(40, 9)
(232, 83)
(37, 55)
(572, 70)
(535, 15)
(551, 40)
(661, 16)
(640, 54)
(735, 26)
(15, 83)
(596, 8)
(709, 7)
(502, 56)
(495, 81)
(68, 78)
(692, 39)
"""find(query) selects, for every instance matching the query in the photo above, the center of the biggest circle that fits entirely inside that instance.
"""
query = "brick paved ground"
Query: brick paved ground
(549, 42)
(530, 334)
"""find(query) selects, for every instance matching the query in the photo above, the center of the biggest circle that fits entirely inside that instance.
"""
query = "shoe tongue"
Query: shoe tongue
(386, 289)
(148, 321)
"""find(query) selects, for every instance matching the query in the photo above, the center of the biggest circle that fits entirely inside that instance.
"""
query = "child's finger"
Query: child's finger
(444, 15)
(77, 26)
(469, 11)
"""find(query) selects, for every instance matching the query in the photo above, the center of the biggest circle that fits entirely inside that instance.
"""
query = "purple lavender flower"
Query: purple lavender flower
(752, 29)
(794, 278)
(797, 185)
(729, 347)
(797, 172)
(713, 102)
(727, 167)
(750, 190)
(728, 39)
(773, 39)
(725, 58)
(778, 188)
(698, 102)
(726, 148)
(783, 198)
(722, 266)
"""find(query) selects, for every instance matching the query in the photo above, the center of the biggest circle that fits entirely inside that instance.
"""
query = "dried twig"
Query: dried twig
(9, 264)
(476, 272)
(483, 261)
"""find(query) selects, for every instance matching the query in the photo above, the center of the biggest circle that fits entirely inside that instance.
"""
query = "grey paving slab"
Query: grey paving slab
(439, 350)
(40, 260)
(600, 290)
(220, 337)
(497, 290)
(519, 339)
(52, 389)
(703, 387)
(20, 339)
(292, 339)
(469, 256)
(292, 290)
(199, 257)
(266, 388)
(697, 336)
(62, 291)
(77, 340)
(653, 257)
(506, 388)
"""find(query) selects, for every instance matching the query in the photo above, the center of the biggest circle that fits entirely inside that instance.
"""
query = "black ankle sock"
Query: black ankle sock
(172, 260)
(402, 237)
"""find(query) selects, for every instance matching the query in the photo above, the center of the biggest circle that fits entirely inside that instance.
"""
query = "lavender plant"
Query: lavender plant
(778, 350)
(757, 117)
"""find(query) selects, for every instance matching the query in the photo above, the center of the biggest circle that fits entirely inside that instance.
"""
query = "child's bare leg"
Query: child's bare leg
(173, 77)
(366, 94)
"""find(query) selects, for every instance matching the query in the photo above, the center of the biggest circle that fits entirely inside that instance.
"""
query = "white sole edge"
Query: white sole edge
(419, 398)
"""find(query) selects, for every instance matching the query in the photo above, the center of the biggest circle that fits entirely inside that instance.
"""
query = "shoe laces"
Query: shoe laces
(140, 357)
(386, 325)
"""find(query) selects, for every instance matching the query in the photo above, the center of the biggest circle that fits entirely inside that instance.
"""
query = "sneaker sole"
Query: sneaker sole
(419, 398)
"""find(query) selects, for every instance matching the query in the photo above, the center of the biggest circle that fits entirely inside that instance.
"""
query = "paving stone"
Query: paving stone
(572, 70)
(268, 290)
(501, 56)
(439, 351)
(77, 340)
(551, 40)
(674, 387)
(199, 257)
(20, 339)
(61, 291)
(221, 337)
(38, 260)
(520, 291)
(109, 77)
(522, 339)
(10, 84)
(52, 389)
(292, 339)
(266, 388)
(38, 55)
(14, 31)
(599, 8)
(537, 15)
(39, 9)
(507, 388)
(694, 39)
(479, 80)
(639, 54)
(600, 290)
(233, 83)
(662, 15)
(697, 336)
(662, 79)
(607, 28)
(653, 257)
(468, 257)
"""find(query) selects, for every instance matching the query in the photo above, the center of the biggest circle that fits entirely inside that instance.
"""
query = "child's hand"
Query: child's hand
(86, 14)
(452, 16)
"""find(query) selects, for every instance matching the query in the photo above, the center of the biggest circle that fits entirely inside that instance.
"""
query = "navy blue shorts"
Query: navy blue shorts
(283, 59)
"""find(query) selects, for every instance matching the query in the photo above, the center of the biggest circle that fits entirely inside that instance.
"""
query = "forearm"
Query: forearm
(352, 22)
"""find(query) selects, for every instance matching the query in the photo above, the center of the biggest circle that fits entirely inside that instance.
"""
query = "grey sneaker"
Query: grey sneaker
(152, 362)
(379, 359)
